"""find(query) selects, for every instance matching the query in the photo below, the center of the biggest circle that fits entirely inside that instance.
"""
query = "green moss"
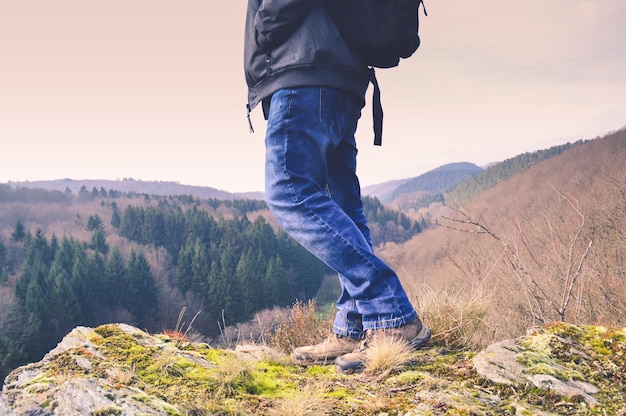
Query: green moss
(603, 341)
(319, 371)
(338, 393)
(407, 378)
(270, 379)
(109, 330)
(108, 411)
(532, 358)
(199, 374)
(214, 355)
(539, 342)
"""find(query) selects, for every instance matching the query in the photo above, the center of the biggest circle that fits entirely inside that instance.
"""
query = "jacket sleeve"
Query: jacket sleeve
(277, 19)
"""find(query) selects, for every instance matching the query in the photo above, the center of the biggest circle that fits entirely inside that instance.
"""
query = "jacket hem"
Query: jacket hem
(350, 81)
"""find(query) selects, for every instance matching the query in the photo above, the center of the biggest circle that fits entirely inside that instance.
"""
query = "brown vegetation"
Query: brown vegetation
(546, 245)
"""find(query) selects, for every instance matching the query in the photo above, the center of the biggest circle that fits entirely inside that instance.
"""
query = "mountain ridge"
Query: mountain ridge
(137, 186)
(436, 180)
(461, 180)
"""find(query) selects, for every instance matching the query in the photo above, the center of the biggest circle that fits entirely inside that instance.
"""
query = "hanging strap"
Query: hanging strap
(377, 110)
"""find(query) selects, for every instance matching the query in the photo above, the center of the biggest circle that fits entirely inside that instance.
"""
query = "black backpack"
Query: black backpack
(380, 31)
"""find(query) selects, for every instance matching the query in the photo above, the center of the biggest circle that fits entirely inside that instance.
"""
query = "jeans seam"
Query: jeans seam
(371, 266)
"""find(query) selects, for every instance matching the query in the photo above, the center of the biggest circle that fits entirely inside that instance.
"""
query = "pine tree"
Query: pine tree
(64, 308)
(142, 293)
(83, 194)
(115, 277)
(152, 227)
(19, 233)
(116, 218)
(200, 267)
(4, 266)
(98, 242)
(94, 223)
(274, 283)
(249, 272)
(184, 271)
(131, 224)
(216, 297)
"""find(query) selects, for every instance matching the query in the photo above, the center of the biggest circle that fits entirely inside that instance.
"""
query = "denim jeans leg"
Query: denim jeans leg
(345, 190)
(308, 132)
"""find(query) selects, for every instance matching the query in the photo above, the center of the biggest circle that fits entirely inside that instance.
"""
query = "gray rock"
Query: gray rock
(501, 363)
(498, 363)
(30, 390)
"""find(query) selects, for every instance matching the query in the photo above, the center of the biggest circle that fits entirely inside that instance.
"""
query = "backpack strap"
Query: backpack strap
(377, 107)
(377, 110)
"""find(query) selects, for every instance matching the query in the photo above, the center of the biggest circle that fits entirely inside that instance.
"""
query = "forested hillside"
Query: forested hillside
(456, 183)
(436, 181)
(466, 190)
(107, 256)
(547, 244)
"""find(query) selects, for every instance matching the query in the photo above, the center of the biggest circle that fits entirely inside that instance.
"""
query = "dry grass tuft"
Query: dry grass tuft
(305, 402)
(455, 319)
(386, 354)
(121, 376)
(233, 374)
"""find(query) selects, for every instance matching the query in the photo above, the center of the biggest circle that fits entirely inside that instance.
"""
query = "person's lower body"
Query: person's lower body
(313, 191)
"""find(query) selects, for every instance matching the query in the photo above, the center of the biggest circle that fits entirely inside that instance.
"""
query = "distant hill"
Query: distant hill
(421, 191)
(138, 186)
(380, 190)
(456, 183)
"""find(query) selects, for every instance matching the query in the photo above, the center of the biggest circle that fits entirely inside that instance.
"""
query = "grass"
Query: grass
(456, 319)
(307, 401)
(386, 354)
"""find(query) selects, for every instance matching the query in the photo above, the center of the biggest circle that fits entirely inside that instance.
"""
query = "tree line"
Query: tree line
(236, 266)
(64, 283)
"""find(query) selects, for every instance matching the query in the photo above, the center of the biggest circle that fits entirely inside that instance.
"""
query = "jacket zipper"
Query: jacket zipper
(268, 63)
(268, 69)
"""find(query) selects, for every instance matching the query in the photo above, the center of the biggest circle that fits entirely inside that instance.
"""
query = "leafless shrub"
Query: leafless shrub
(545, 258)
(304, 326)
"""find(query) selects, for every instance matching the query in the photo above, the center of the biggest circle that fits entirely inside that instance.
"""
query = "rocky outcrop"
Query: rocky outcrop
(118, 369)
(502, 363)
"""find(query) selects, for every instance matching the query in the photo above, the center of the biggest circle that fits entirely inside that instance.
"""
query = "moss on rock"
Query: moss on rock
(118, 369)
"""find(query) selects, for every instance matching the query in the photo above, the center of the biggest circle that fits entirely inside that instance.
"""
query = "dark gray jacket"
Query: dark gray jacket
(295, 43)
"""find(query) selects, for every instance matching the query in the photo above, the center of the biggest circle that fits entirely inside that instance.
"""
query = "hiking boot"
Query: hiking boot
(415, 334)
(331, 348)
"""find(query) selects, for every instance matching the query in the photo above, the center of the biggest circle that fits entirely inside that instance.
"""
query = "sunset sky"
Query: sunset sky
(154, 89)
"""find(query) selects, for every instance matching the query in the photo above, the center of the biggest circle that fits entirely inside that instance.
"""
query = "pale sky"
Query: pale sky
(154, 89)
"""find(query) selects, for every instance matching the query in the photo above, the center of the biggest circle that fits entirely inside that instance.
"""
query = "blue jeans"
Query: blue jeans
(313, 191)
